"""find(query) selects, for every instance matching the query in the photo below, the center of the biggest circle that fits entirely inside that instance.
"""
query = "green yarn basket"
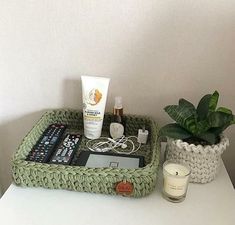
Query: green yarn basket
(96, 180)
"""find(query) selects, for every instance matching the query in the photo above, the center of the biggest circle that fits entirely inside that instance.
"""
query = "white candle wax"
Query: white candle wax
(175, 179)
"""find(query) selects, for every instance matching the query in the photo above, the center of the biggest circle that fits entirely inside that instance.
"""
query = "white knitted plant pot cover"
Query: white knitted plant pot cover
(204, 161)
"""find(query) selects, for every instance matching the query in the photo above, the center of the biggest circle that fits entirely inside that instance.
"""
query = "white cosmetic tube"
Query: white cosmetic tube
(94, 96)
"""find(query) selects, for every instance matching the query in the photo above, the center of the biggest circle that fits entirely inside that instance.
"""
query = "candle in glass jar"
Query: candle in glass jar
(175, 178)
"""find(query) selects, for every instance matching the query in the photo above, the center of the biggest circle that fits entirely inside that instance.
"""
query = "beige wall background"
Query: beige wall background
(154, 51)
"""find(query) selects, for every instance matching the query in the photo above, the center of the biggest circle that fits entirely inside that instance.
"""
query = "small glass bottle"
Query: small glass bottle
(117, 124)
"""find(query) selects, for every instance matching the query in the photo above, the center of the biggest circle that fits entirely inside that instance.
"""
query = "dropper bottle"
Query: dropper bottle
(117, 123)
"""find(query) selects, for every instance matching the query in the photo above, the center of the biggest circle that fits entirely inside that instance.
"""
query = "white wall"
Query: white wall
(154, 51)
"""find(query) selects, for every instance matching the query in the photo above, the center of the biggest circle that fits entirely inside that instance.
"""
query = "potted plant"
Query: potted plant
(196, 138)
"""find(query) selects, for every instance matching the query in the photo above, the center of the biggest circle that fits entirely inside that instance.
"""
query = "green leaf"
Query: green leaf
(224, 110)
(183, 102)
(233, 121)
(220, 119)
(218, 130)
(209, 137)
(203, 107)
(203, 126)
(175, 131)
(213, 101)
(184, 116)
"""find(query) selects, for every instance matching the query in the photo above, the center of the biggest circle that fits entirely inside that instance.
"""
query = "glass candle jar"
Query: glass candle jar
(175, 181)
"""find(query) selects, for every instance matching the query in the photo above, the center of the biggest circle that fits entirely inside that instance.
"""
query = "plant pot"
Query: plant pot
(204, 161)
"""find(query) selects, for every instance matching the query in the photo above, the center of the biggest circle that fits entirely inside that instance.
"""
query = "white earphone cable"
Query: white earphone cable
(107, 144)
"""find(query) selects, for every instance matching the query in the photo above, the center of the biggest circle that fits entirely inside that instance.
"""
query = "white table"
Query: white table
(205, 204)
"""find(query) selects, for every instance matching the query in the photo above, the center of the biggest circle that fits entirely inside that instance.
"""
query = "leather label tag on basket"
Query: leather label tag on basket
(124, 188)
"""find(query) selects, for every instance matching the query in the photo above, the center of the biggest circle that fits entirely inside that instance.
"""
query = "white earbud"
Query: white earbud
(123, 146)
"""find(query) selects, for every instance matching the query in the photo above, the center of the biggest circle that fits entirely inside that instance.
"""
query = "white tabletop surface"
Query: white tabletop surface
(205, 204)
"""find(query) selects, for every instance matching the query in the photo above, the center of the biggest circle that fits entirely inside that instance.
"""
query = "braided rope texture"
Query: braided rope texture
(84, 179)
(204, 161)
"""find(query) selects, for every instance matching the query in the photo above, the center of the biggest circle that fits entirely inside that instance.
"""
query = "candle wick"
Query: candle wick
(176, 173)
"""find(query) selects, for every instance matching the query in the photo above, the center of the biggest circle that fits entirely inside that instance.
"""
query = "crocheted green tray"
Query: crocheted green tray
(96, 180)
